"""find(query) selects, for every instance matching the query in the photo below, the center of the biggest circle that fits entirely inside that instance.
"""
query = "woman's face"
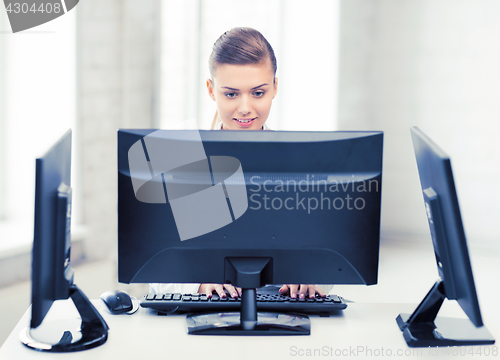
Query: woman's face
(243, 94)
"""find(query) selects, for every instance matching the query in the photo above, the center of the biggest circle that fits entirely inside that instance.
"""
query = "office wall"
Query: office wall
(432, 64)
(117, 86)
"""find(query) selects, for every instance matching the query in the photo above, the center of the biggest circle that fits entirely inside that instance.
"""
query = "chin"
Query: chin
(234, 126)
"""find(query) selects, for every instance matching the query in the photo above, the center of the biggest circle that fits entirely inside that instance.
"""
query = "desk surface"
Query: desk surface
(361, 331)
(406, 273)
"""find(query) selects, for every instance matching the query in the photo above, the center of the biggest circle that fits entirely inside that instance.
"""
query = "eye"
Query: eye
(231, 95)
(259, 93)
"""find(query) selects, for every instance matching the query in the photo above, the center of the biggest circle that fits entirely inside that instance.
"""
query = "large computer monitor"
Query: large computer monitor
(51, 271)
(424, 328)
(249, 208)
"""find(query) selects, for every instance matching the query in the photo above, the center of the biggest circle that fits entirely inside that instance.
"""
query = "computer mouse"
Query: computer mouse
(117, 301)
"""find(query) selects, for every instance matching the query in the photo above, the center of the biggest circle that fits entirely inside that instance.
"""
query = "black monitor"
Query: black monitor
(249, 208)
(424, 328)
(51, 271)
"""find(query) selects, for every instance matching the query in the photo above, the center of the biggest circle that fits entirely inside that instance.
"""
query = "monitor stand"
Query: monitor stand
(249, 274)
(92, 332)
(424, 328)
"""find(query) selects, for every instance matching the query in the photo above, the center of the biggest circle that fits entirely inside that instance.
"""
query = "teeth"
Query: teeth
(244, 121)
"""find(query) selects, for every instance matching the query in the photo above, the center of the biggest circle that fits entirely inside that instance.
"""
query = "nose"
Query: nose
(245, 107)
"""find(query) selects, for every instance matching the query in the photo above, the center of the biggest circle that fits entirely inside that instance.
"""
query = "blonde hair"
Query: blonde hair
(240, 46)
(214, 121)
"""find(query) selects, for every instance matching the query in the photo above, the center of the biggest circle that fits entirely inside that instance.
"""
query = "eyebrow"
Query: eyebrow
(233, 89)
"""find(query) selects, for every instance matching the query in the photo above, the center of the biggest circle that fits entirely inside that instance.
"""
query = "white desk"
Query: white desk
(361, 331)
(407, 271)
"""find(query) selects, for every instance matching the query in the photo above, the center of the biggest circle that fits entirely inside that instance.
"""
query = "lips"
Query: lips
(244, 122)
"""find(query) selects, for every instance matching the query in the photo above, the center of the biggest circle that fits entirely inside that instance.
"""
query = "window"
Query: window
(305, 41)
(38, 104)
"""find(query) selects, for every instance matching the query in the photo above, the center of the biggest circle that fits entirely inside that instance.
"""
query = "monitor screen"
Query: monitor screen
(424, 328)
(308, 201)
(450, 246)
(249, 208)
(52, 274)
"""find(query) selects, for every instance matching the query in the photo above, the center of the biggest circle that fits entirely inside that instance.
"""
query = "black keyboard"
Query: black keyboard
(266, 302)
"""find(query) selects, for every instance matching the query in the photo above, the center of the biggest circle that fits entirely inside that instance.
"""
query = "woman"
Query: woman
(243, 80)
(243, 85)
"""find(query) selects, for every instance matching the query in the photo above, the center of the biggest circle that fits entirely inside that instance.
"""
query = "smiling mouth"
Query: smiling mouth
(244, 121)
